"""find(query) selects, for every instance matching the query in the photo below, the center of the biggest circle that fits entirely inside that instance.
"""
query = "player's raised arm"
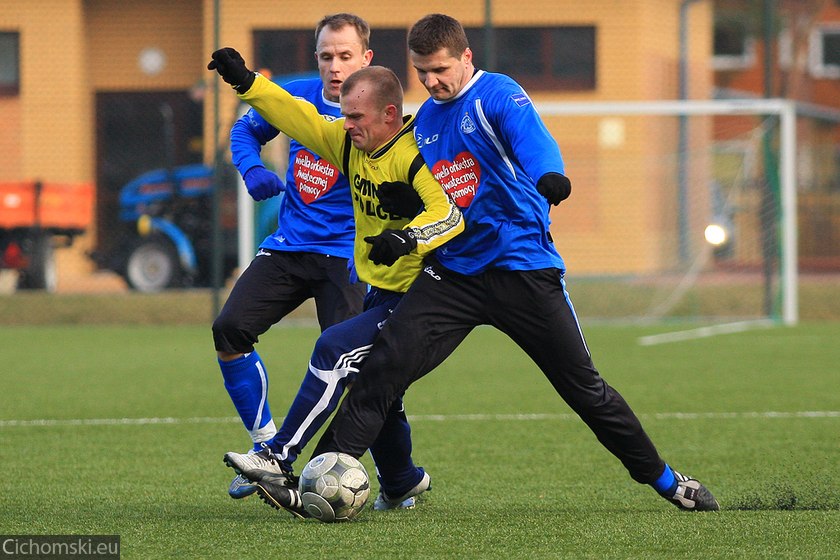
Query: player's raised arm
(295, 117)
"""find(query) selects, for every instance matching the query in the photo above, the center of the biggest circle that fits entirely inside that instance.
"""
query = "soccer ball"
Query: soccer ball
(334, 487)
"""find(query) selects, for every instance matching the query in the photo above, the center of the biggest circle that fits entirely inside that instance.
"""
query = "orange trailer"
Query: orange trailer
(35, 218)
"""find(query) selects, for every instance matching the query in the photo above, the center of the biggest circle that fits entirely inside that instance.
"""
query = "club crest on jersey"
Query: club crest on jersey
(521, 99)
(467, 124)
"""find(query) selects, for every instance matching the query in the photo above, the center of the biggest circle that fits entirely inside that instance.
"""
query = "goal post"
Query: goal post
(626, 160)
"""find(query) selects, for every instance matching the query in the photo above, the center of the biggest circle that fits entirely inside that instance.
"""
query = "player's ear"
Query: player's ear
(467, 56)
(367, 57)
(390, 113)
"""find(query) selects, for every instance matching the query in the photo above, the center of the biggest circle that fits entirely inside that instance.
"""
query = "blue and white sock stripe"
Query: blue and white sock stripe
(263, 434)
(246, 382)
(258, 432)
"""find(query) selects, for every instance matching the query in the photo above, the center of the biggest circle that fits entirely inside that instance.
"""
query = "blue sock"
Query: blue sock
(247, 384)
(666, 484)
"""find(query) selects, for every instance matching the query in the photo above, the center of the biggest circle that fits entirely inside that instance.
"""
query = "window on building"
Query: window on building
(9, 63)
(290, 52)
(734, 49)
(285, 52)
(825, 52)
(390, 49)
(558, 58)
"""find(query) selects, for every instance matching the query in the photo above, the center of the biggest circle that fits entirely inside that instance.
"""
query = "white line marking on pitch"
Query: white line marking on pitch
(46, 422)
(705, 332)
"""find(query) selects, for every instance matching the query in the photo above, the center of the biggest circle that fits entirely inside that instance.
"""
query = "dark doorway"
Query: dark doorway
(137, 132)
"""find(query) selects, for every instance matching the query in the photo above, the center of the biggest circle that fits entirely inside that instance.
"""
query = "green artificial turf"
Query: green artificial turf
(121, 430)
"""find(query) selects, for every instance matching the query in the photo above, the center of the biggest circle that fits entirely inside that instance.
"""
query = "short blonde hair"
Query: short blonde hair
(386, 87)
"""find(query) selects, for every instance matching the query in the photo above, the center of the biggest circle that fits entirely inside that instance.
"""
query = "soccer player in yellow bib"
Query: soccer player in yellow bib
(373, 145)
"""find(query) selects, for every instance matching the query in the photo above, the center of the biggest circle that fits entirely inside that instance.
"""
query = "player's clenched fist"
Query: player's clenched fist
(555, 187)
(390, 245)
(231, 67)
(399, 198)
(262, 184)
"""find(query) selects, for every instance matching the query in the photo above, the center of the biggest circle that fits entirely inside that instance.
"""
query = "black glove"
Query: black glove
(400, 199)
(390, 245)
(555, 187)
(231, 67)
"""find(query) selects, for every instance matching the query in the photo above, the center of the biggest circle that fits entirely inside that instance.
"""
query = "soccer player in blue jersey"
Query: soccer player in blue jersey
(373, 145)
(486, 144)
(307, 256)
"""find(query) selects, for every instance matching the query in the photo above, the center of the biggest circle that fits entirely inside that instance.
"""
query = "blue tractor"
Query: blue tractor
(167, 237)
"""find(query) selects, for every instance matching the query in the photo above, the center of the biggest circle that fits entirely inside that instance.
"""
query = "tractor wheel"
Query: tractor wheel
(152, 266)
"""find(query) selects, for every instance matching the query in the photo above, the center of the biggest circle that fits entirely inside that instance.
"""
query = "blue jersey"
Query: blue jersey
(488, 147)
(316, 212)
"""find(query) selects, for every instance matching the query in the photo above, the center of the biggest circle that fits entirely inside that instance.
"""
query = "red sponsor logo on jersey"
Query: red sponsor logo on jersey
(314, 177)
(459, 177)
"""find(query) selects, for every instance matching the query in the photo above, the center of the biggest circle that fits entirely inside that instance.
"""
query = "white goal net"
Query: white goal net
(652, 184)
(679, 210)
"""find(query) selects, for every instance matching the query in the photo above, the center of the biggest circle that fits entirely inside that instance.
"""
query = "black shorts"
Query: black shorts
(533, 308)
(275, 284)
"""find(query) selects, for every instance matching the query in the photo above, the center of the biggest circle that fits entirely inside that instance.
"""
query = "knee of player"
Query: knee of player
(226, 324)
(328, 348)
(381, 378)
